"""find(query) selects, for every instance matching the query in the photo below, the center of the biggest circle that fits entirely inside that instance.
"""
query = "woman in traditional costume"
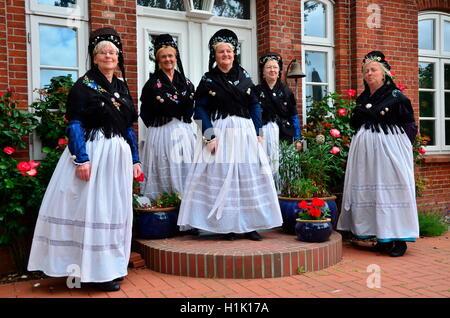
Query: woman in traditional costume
(379, 190)
(167, 108)
(230, 188)
(85, 219)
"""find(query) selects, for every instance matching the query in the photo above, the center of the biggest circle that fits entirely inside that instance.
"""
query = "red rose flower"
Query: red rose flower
(303, 205)
(351, 92)
(314, 212)
(23, 166)
(140, 178)
(62, 142)
(335, 150)
(422, 150)
(342, 111)
(9, 150)
(401, 87)
(1, 94)
(33, 164)
(335, 133)
(393, 73)
(318, 203)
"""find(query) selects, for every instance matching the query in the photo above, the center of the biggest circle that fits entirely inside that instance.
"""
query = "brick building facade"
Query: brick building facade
(352, 28)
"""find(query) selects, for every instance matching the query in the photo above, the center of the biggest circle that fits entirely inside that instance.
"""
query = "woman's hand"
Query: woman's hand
(137, 170)
(211, 146)
(84, 171)
(260, 139)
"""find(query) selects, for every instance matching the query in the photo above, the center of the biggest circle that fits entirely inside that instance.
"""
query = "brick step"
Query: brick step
(210, 256)
(136, 260)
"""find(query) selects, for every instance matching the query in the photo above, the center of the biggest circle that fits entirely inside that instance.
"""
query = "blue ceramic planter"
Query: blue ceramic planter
(313, 231)
(157, 223)
(289, 208)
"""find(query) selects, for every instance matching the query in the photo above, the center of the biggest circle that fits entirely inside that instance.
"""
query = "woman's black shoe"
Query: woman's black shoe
(399, 249)
(254, 236)
(383, 246)
(229, 236)
(107, 286)
(118, 279)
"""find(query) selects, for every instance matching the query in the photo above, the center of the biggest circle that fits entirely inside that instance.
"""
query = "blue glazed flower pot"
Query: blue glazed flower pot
(313, 231)
(157, 223)
(289, 208)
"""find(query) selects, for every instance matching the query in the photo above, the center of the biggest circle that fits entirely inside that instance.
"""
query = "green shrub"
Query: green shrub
(432, 223)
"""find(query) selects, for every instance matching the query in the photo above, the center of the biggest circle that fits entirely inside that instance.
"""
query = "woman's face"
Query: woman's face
(107, 59)
(374, 74)
(224, 56)
(167, 59)
(271, 71)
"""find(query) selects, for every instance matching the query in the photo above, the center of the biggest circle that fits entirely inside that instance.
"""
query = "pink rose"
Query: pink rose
(335, 133)
(351, 92)
(31, 172)
(342, 111)
(33, 164)
(422, 151)
(335, 150)
(9, 150)
(23, 166)
(401, 87)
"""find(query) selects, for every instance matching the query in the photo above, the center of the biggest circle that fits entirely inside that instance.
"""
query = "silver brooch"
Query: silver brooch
(368, 106)
(116, 95)
(274, 94)
(386, 109)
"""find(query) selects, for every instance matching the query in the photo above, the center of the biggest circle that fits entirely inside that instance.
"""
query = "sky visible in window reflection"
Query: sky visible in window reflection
(59, 3)
(314, 18)
(58, 46)
(47, 75)
(447, 36)
(316, 66)
(426, 34)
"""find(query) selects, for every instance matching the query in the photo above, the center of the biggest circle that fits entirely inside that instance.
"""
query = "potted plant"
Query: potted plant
(313, 222)
(156, 219)
(303, 175)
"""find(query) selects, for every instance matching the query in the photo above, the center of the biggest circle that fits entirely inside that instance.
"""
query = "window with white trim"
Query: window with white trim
(434, 80)
(317, 51)
(57, 45)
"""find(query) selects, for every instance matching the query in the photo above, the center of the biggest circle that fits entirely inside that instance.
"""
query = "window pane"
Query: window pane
(447, 132)
(59, 3)
(238, 9)
(47, 75)
(176, 5)
(447, 76)
(426, 34)
(447, 36)
(58, 46)
(447, 105)
(427, 129)
(314, 14)
(316, 67)
(426, 75)
(314, 93)
(426, 104)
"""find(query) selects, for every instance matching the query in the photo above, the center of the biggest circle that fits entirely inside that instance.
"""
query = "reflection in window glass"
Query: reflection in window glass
(238, 9)
(446, 76)
(447, 105)
(58, 46)
(59, 3)
(426, 75)
(447, 36)
(314, 93)
(426, 104)
(426, 34)
(47, 75)
(447, 132)
(315, 19)
(316, 67)
(177, 5)
(427, 129)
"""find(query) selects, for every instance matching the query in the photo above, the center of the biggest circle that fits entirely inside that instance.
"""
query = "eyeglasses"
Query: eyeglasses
(271, 67)
(110, 53)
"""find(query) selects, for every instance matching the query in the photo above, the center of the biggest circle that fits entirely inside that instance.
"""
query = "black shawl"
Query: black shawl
(163, 100)
(386, 109)
(101, 105)
(228, 93)
(277, 103)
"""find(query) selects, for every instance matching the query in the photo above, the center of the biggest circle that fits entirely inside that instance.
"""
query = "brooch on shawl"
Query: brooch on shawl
(91, 84)
(206, 79)
(173, 98)
(158, 83)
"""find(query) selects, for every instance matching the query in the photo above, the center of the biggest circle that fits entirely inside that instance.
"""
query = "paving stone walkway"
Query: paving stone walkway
(423, 272)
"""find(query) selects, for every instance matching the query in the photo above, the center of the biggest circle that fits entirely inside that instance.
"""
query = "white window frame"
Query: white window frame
(317, 44)
(439, 57)
(34, 66)
(329, 28)
(80, 11)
